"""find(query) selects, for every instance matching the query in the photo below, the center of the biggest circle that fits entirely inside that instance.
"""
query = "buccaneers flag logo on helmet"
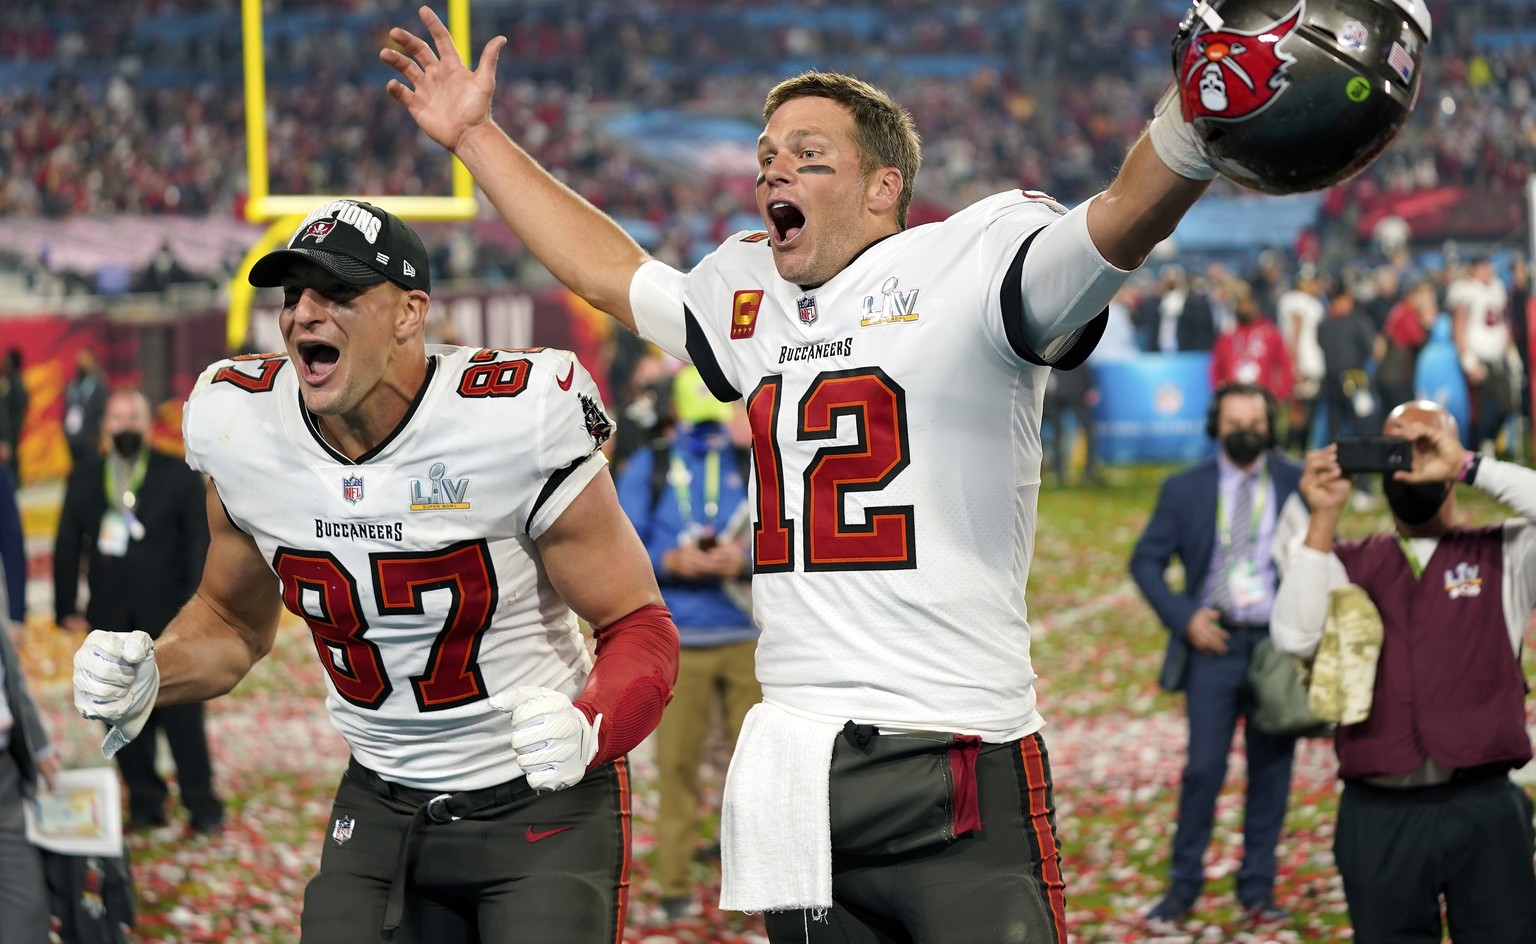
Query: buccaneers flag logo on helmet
(1287, 102)
(1235, 75)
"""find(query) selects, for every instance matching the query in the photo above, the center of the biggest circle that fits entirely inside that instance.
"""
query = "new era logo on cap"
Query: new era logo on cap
(357, 242)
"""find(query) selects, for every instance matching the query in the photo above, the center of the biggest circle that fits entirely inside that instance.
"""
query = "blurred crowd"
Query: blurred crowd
(139, 109)
(1338, 348)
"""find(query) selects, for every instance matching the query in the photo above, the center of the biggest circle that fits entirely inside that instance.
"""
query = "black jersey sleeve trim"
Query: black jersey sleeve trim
(703, 357)
(550, 484)
(225, 508)
(1064, 353)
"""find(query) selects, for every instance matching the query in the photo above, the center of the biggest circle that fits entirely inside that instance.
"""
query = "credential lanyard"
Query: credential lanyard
(680, 478)
(1224, 525)
(120, 495)
(123, 498)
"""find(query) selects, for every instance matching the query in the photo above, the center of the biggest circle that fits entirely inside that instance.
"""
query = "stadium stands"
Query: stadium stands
(136, 111)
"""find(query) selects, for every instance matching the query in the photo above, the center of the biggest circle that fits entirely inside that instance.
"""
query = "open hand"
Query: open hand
(1437, 454)
(443, 96)
(1204, 631)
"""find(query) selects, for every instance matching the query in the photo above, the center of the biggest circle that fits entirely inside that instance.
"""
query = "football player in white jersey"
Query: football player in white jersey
(1480, 324)
(438, 516)
(894, 379)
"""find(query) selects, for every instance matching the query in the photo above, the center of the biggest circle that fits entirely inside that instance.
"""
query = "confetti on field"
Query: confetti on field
(1116, 744)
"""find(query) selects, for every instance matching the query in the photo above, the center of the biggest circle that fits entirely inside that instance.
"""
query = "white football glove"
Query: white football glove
(551, 737)
(116, 681)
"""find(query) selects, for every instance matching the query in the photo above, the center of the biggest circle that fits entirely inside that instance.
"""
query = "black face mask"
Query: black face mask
(1244, 445)
(127, 443)
(1414, 504)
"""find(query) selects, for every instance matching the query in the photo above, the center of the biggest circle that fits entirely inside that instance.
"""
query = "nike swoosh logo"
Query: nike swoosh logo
(569, 376)
(535, 837)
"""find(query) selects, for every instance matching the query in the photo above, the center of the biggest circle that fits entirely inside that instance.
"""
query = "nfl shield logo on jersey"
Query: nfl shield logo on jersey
(342, 831)
(807, 306)
(352, 489)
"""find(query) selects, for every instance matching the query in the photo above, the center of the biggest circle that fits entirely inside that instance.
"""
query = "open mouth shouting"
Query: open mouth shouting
(317, 361)
(785, 222)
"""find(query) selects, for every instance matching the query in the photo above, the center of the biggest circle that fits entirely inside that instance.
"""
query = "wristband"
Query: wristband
(1174, 140)
(1468, 472)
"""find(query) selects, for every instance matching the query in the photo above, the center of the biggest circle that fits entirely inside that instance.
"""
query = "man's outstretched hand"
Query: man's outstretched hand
(444, 97)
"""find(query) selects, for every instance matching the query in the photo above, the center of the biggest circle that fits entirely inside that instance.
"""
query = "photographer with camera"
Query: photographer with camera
(1428, 808)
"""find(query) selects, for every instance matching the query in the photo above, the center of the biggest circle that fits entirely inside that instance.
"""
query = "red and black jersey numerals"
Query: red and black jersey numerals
(320, 590)
(877, 407)
(253, 373)
(489, 376)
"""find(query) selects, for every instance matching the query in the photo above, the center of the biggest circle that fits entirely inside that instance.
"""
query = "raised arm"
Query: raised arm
(1301, 600)
(1162, 177)
(579, 244)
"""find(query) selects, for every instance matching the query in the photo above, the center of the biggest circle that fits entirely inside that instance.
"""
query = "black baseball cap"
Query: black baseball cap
(357, 242)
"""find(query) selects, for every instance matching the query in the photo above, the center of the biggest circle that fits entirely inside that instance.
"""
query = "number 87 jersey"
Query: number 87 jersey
(896, 449)
(415, 566)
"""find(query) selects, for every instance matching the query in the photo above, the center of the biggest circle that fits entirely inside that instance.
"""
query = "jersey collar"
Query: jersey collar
(314, 429)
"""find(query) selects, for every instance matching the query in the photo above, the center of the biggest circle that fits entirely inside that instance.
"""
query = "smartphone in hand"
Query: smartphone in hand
(1374, 454)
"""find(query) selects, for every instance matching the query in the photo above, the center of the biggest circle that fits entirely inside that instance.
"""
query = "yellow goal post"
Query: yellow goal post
(284, 212)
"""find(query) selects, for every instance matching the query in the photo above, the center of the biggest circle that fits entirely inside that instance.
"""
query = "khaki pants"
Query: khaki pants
(724, 673)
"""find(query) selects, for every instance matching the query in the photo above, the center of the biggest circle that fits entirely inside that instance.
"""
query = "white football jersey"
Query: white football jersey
(415, 566)
(1487, 334)
(896, 427)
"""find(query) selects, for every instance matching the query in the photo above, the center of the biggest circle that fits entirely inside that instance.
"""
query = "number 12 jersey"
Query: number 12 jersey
(896, 424)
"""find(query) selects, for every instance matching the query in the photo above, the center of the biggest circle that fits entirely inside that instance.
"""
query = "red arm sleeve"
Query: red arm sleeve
(631, 680)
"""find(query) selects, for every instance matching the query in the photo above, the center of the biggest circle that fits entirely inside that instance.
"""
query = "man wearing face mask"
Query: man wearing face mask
(1428, 809)
(134, 524)
(1218, 518)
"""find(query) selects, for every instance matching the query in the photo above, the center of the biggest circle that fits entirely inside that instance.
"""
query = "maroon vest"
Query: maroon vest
(1448, 684)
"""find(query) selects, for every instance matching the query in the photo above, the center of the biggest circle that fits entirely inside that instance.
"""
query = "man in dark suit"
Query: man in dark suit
(1218, 518)
(1197, 321)
(1176, 315)
(25, 755)
(136, 519)
(85, 398)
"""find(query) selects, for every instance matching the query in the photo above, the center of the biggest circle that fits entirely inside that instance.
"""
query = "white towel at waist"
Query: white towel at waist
(775, 823)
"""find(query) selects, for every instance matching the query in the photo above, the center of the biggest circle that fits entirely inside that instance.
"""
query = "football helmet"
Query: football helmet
(1286, 96)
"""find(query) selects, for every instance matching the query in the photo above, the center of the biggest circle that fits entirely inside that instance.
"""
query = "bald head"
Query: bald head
(1427, 412)
(1426, 508)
